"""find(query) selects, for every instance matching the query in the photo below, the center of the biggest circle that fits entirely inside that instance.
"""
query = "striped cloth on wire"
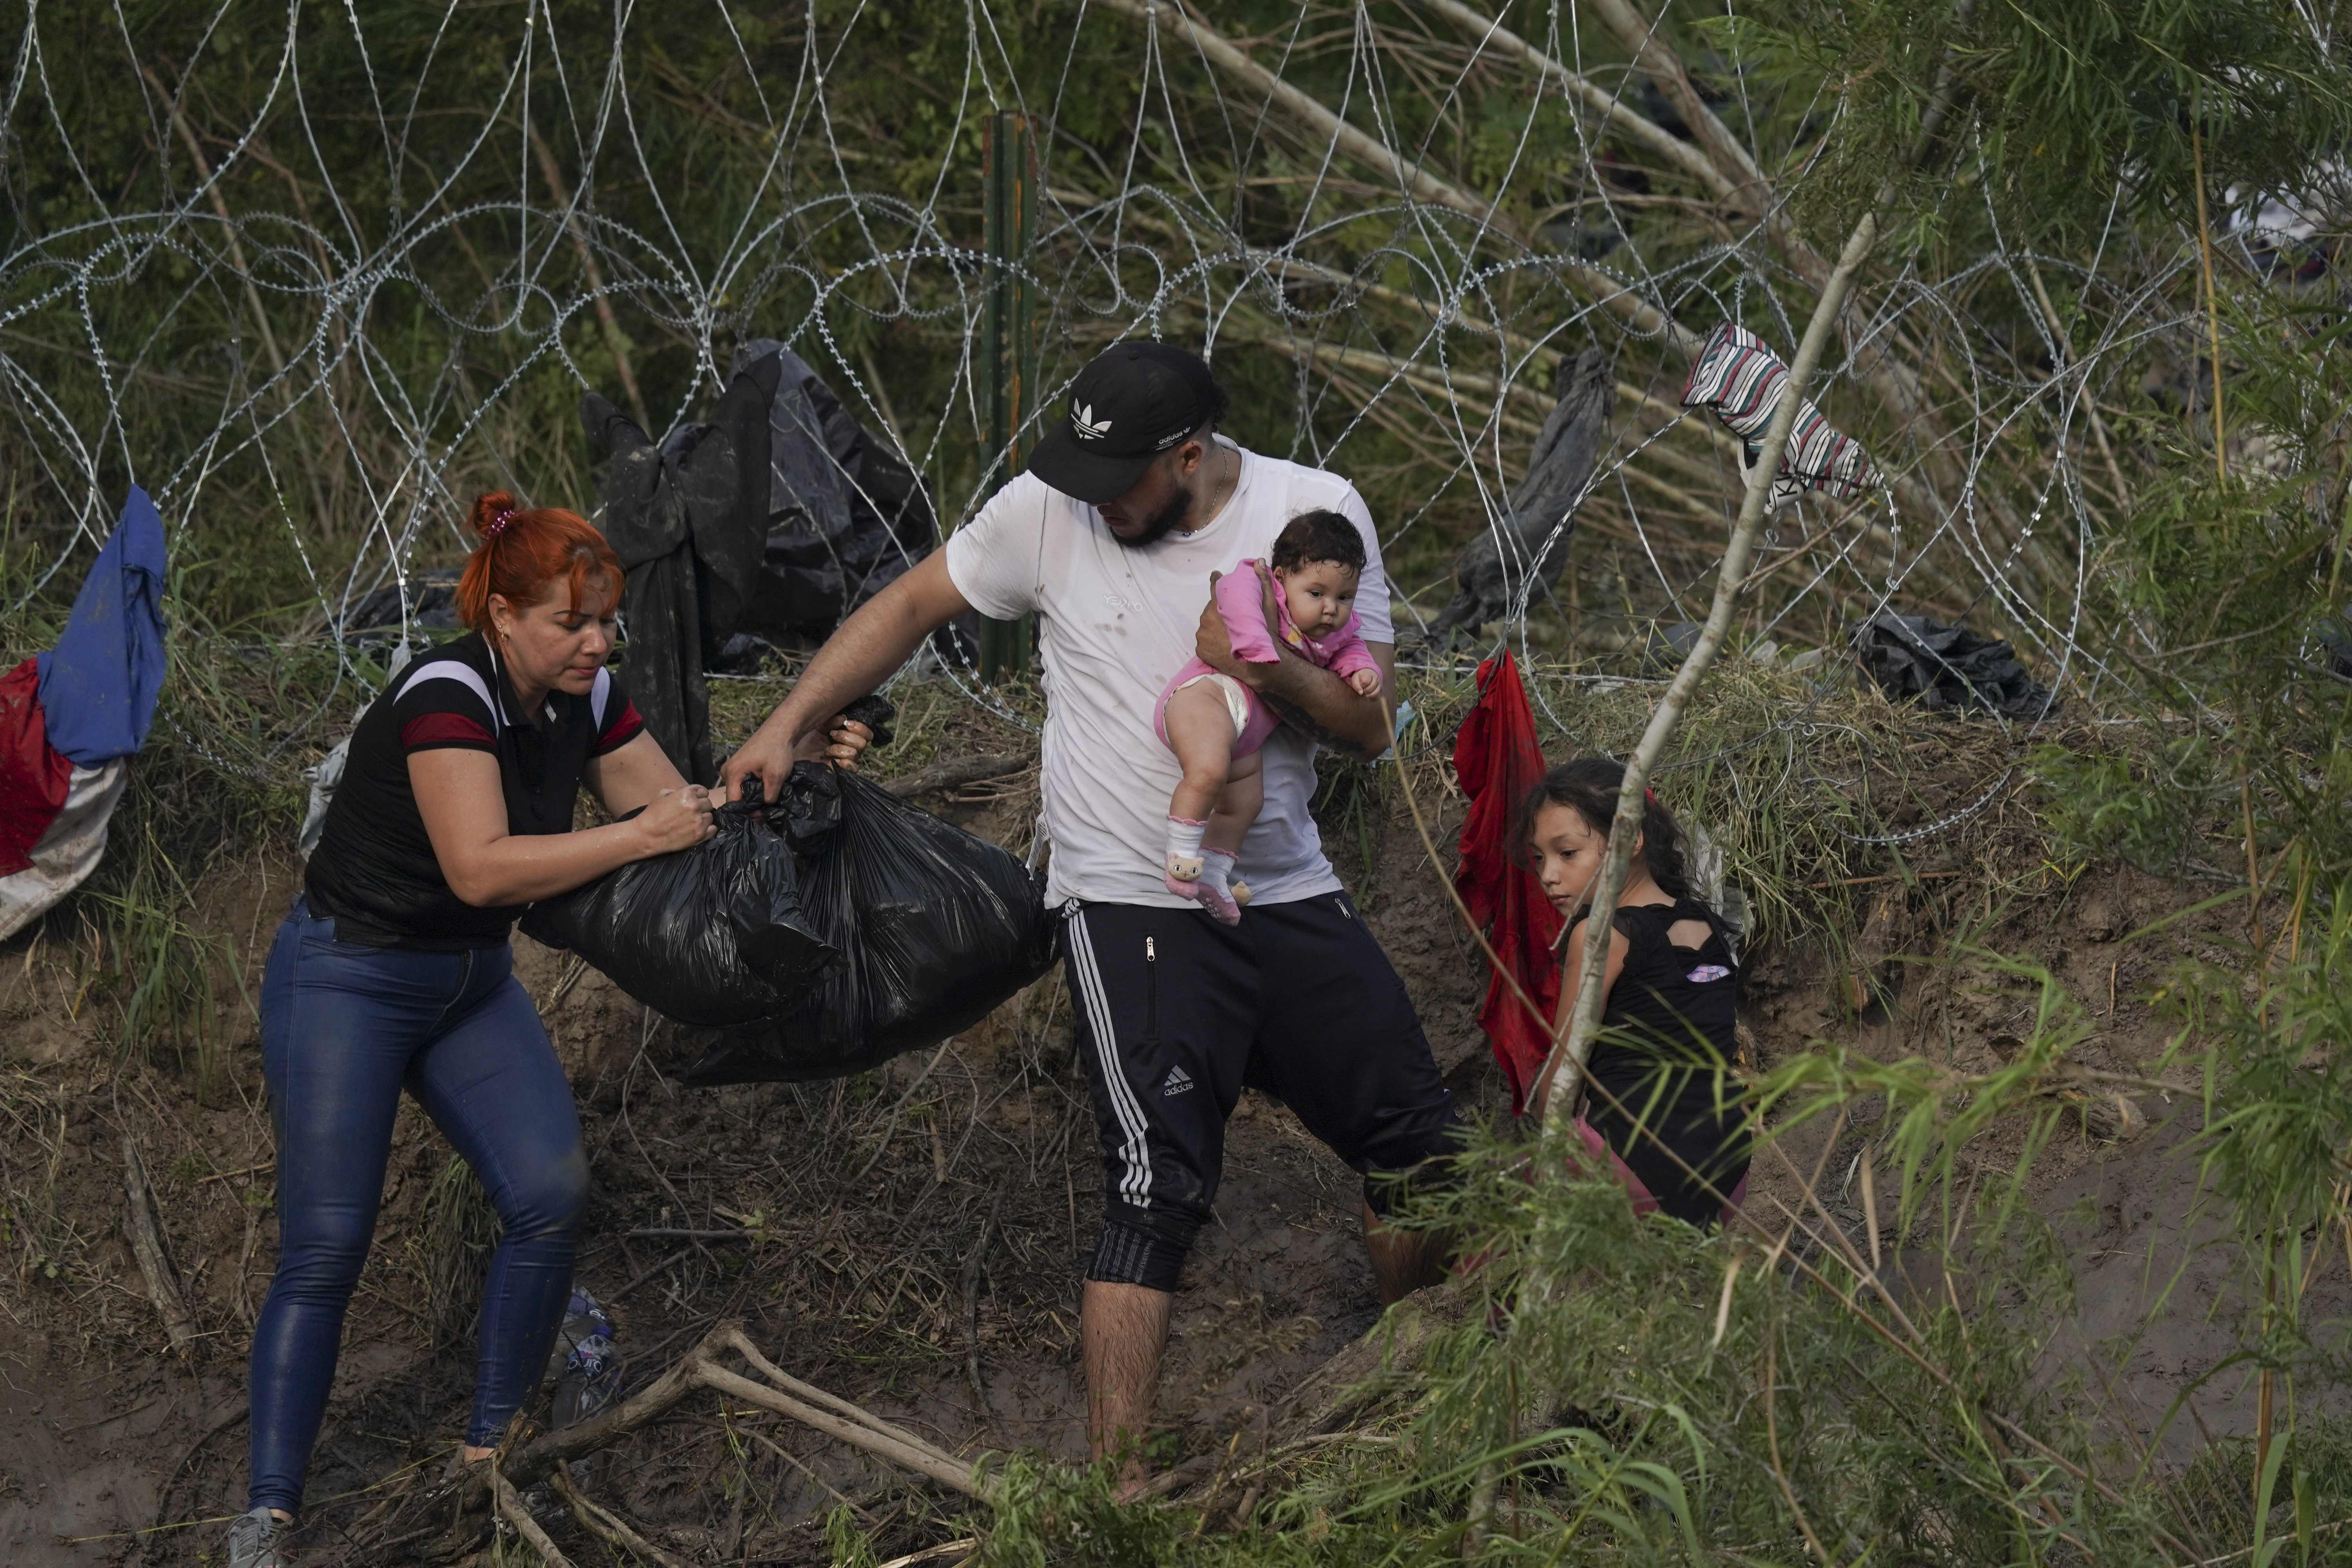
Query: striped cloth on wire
(1739, 379)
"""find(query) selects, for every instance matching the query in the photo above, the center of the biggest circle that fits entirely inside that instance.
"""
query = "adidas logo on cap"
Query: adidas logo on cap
(1177, 1081)
(1131, 403)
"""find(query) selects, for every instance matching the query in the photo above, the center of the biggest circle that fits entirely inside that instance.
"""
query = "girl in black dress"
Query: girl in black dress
(1663, 1108)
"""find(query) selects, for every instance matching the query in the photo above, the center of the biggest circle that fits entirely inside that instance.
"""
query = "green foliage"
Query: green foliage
(2146, 810)
(1613, 1389)
(2277, 1075)
(391, 320)
(2060, 108)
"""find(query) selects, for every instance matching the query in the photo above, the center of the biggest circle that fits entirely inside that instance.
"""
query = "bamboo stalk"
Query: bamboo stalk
(2213, 303)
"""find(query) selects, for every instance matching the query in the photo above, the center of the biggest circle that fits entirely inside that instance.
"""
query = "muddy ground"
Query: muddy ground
(915, 1237)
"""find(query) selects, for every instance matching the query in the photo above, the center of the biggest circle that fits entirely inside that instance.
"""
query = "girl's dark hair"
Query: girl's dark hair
(1315, 536)
(1588, 786)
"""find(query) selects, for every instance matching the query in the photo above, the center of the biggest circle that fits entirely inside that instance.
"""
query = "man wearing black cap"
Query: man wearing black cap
(1130, 507)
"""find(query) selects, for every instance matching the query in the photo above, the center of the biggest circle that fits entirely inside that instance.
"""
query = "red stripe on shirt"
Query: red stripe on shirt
(621, 730)
(429, 730)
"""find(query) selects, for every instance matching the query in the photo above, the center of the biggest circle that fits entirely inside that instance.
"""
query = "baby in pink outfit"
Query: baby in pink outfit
(1216, 724)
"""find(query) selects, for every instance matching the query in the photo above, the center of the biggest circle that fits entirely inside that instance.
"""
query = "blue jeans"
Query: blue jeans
(344, 1028)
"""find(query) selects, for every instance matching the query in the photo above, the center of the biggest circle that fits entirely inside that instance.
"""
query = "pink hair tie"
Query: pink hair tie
(498, 524)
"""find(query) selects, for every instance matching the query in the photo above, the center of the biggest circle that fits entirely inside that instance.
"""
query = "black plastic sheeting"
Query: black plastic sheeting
(774, 519)
(845, 516)
(710, 936)
(1519, 559)
(688, 519)
(1947, 668)
(431, 602)
(2334, 636)
(936, 928)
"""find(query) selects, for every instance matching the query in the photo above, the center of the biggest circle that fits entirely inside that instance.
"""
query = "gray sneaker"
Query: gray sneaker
(253, 1541)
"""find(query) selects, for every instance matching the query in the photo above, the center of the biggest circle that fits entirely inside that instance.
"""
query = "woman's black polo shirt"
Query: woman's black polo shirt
(375, 873)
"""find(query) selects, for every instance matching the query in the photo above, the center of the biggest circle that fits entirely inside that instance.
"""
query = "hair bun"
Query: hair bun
(492, 511)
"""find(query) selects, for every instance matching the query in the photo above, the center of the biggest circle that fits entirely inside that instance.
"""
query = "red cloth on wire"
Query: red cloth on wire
(1498, 761)
(33, 774)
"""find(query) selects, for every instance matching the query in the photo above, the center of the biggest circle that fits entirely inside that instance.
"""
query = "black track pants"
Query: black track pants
(1177, 1012)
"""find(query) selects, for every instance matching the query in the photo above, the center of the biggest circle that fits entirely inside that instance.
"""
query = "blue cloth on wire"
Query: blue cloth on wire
(99, 685)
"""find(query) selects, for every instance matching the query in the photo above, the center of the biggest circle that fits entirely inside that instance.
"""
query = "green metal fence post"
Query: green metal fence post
(1007, 373)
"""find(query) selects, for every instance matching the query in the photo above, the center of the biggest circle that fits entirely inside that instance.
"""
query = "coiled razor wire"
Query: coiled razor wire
(1432, 325)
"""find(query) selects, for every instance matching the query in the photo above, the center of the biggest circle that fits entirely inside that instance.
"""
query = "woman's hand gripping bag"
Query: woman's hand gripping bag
(935, 928)
(708, 936)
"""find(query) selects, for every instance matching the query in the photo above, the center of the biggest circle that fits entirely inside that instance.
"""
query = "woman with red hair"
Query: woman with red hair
(393, 972)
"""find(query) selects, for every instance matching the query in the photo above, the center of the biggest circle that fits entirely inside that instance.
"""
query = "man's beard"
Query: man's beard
(1159, 524)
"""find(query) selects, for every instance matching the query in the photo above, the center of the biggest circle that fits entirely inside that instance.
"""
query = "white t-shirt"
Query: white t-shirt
(1115, 623)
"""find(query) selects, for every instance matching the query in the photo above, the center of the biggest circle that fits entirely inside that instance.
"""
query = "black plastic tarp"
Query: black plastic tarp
(1517, 560)
(845, 515)
(688, 520)
(1947, 668)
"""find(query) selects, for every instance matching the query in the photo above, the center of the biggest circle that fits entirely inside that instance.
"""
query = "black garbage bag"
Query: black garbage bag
(935, 928)
(1947, 668)
(428, 601)
(710, 936)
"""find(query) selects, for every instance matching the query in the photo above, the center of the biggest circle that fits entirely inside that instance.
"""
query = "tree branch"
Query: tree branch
(1572, 1047)
(146, 1238)
(511, 1509)
(1663, 66)
(1612, 109)
(1413, 180)
(604, 1522)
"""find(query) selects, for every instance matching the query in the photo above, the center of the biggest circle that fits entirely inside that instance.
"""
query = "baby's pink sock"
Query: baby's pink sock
(1183, 871)
(1217, 887)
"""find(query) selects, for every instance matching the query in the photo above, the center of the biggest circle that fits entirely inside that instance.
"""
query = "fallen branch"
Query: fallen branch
(604, 1522)
(511, 1510)
(1640, 36)
(971, 1269)
(1598, 99)
(957, 773)
(775, 1391)
(145, 1233)
(858, 1434)
(741, 1341)
(931, 1553)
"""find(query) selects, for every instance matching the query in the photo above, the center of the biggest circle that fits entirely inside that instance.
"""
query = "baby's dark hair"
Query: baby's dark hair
(1588, 787)
(1318, 535)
